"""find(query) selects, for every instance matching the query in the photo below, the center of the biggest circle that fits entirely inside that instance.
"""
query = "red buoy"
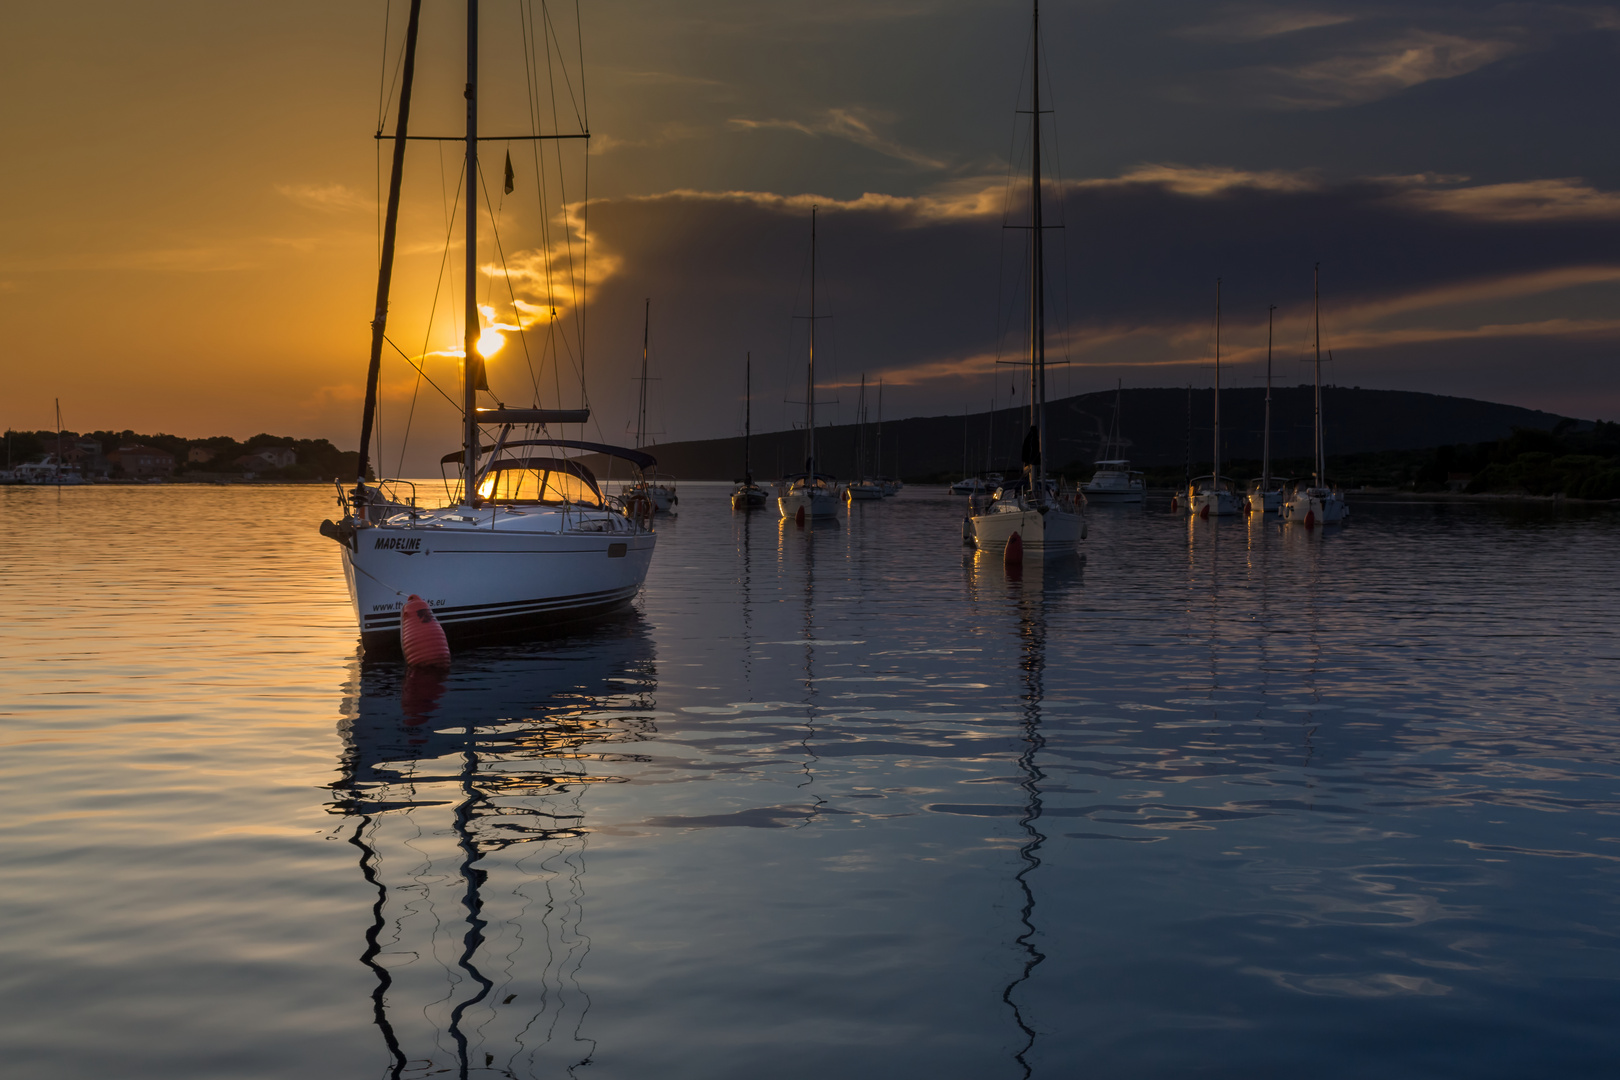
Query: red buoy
(1015, 549)
(421, 637)
(1203, 511)
(1310, 519)
(798, 519)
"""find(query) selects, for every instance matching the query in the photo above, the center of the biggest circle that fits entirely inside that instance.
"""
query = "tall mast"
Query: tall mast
(748, 418)
(58, 472)
(1265, 445)
(385, 267)
(810, 376)
(879, 467)
(1216, 483)
(1316, 307)
(1037, 289)
(641, 409)
(860, 432)
(471, 363)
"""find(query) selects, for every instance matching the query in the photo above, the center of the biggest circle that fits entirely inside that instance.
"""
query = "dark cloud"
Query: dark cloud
(1498, 291)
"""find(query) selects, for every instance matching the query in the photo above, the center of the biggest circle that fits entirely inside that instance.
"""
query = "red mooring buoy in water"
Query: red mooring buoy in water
(421, 637)
(1310, 519)
(798, 519)
(1015, 550)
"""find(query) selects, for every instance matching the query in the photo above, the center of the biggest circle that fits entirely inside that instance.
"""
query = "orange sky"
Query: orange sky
(189, 202)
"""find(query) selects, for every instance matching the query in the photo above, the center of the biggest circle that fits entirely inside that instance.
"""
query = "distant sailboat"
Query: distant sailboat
(1265, 494)
(1318, 504)
(1031, 516)
(811, 493)
(748, 495)
(1212, 496)
(864, 489)
(653, 487)
(1115, 481)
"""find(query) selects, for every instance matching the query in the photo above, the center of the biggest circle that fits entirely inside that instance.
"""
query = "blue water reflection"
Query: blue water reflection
(1218, 799)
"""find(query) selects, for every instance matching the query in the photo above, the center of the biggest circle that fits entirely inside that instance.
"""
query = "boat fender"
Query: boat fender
(342, 533)
(1174, 503)
(1310, 519)
(967, 530)
(1015, 549)
(1083, 528)
(1203, 511)
(421, 637)
(798, 518)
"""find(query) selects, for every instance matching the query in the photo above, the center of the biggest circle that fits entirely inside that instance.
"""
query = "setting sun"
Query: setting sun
(490, 342)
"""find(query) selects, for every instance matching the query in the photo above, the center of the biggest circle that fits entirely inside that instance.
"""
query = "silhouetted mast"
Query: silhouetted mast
(1037, 297)
(470, 360)
(1265, 445)
(385, 265)
(1316, 307)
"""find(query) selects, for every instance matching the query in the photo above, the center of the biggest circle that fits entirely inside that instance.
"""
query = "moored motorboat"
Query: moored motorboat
(1114, 481)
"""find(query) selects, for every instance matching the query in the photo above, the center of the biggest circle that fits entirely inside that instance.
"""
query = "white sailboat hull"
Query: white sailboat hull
(1315, 507)
(863, 492)
(480, 580)
(815, 504)
(1212, 504)
(1048, 535)
(1266, 502)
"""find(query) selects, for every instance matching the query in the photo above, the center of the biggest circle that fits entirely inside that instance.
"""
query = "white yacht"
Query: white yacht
(810, 494)
(1114, 481)
(1213, 495)
(529, 539)
(1046, 521)
(1318, 504)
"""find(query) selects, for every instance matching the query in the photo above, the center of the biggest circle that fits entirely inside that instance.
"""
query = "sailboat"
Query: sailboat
(1318, 504)
(748, 495)
(657, 489)
(891, 484)
(529, 539)
(1266, 495)
(865, 489)
(810, 494)
(1032, 516)
(1115, 481)
(1212, 496)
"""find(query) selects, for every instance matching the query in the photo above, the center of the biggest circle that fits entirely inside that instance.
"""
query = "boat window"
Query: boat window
(528, 485)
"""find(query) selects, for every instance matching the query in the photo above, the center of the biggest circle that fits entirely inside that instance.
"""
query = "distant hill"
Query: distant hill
(1156, 430)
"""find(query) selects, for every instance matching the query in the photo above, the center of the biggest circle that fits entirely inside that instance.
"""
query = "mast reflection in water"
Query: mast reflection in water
(1023, 589)
(469, 793)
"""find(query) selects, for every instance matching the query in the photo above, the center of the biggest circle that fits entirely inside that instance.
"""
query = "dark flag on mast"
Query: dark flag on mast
(509, 172)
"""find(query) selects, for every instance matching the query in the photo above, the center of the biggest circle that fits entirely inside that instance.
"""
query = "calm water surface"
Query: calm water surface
(1216, 800)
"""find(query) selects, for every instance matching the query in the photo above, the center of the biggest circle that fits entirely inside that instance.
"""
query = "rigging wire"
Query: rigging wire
(517, 315)
(433, 309)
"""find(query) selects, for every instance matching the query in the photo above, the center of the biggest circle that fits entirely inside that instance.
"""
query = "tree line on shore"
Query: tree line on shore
(317, 459)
